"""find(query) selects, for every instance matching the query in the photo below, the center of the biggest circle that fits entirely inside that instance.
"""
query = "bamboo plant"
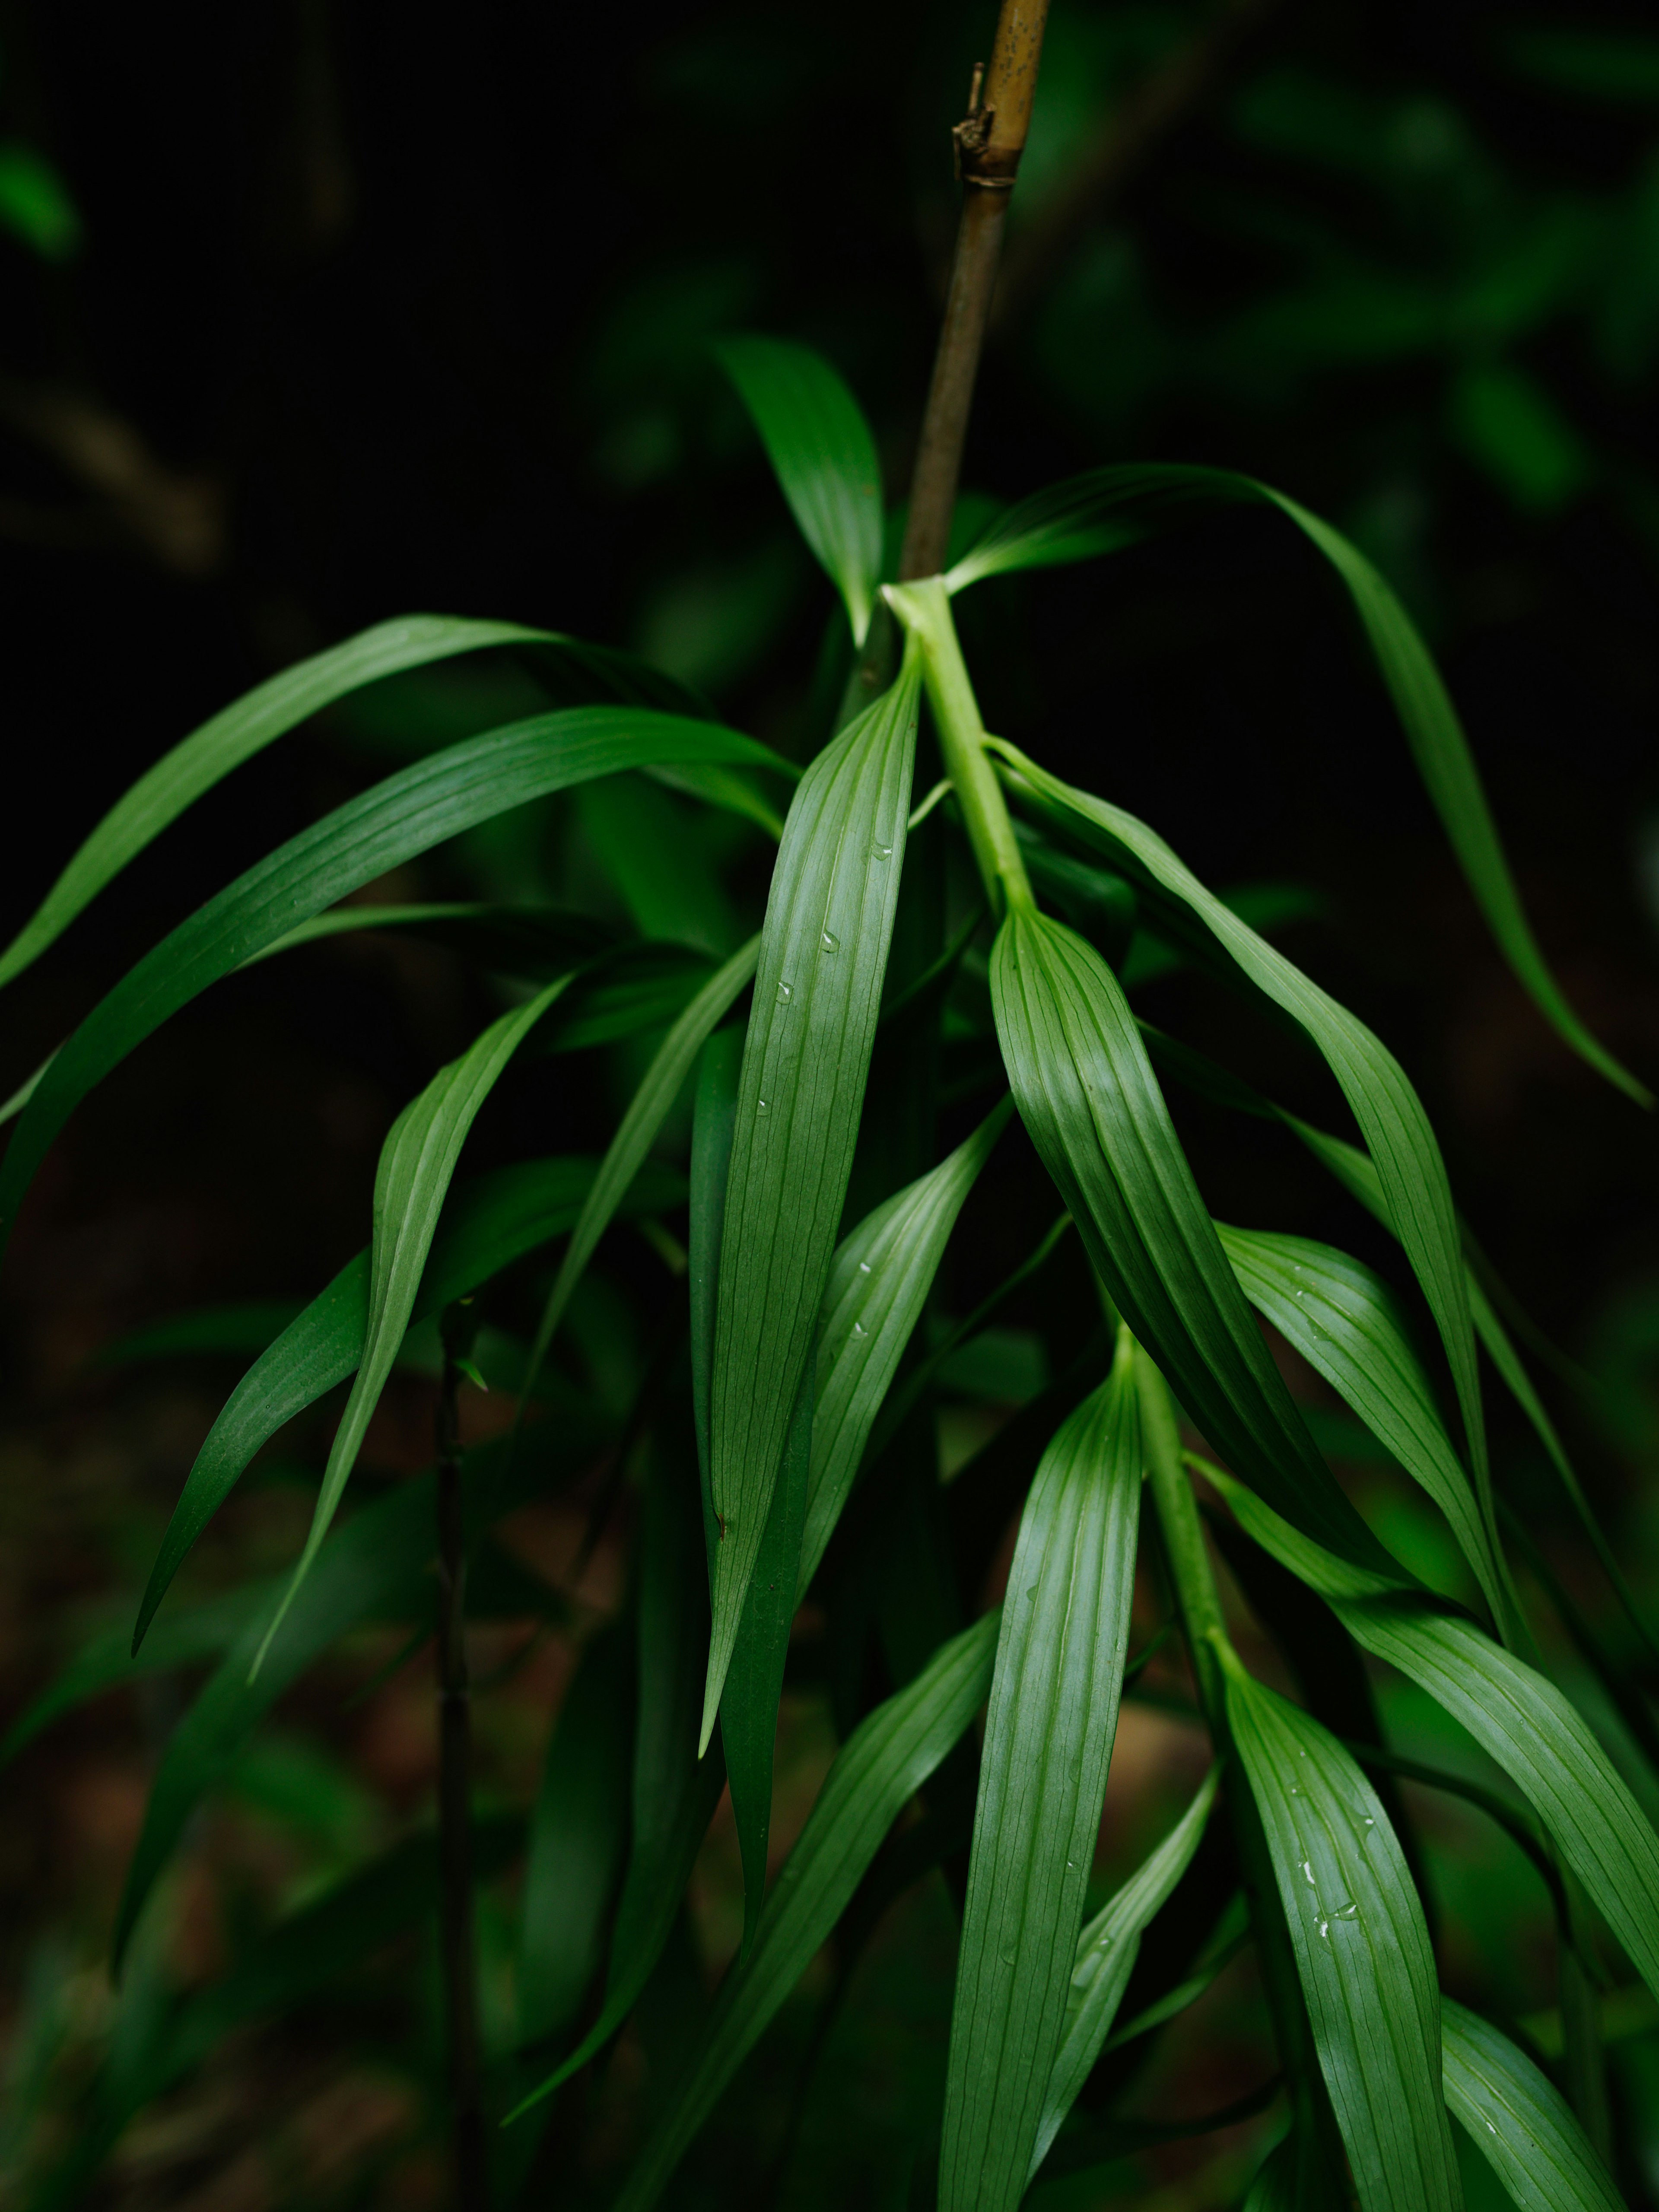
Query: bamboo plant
(782, 1441)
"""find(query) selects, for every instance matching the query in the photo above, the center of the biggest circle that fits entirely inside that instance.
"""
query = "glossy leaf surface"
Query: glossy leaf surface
(1519, 2120)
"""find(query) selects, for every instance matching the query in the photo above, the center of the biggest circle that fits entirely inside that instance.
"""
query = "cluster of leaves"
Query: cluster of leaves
(782, 1440)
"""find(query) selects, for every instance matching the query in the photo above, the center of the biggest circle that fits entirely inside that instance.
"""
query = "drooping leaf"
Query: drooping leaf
(1362, 1950)
(817, 995)
(486, 1225)
(714, 1129)
(820, 446)
(1519, 2120)
(1042, 1779)
(1105, 1957)
(408, 813)
(878, 1284)
(1396, 1129)
(1087, 1094)
(1067, 523)
(647, 1110)
(879, 1769)
(1345, 1322)
(416, 1164)
(539, 942)
(1520, 1719)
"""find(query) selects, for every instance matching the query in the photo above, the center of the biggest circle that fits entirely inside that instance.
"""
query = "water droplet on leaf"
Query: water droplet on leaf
(829, 942)
(785, 994)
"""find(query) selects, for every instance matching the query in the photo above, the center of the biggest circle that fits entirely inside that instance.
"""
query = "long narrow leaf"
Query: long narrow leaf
(878, 1284)
(1070, 522)
(820, 446)
(879, 1768)
(1105, 1958)
(817, 995)
(1520, 2121)
(408, 813)
(416, 1164)
(1362, 1950)
(1042, 1779)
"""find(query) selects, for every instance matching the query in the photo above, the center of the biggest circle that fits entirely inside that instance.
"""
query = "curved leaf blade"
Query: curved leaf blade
(1362, 1949)
(1519, 2120)
(1042, 1779)
(824, 457)
(817, 997)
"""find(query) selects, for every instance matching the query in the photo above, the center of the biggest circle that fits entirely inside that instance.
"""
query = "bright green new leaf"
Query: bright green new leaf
(416, 1164)
(408, 813)
(1345, 1321)
(1067, 522)
(820, 446)
(1105, 1958)
(878, 1284)
(236, 733)
(1519, 2120)
(635, 1134)
(1041, 1782)
(1517, 1717)
(1362, 1949)
(879, 1770)
(1087, 1094)
(817, 996)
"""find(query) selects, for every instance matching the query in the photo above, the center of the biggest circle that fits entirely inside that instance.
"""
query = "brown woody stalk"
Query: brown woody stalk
(989, 143)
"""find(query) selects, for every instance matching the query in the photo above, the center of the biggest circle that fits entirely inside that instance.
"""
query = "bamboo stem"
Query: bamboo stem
(457, 1935)
(989, 142)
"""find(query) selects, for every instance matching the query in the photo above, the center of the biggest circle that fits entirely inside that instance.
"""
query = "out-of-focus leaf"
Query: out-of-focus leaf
(1042, 1778)
(411, 1181)
(1362, 1950)
(1607, 64)
(879, 1768)
(714, 1127)
(1086, 1093)
(820, 446)
(728, 788)
(647, 1110)
(35, 206)
(1345, 1322)
(1519, 2120)
(661, 867)
(577, 1832)
(494, 1220)
(878, 1284)
(408, 813)
(241, 1325)
(817, 995)
(1105, 1957)
(1516, 1716)
(1065, 523)
(536, 941)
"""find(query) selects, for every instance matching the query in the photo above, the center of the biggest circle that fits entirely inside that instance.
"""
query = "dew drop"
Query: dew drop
(1368, 1822)
(828, 942)
(1006, 1957)
(761, 1106)
(1104, 1944)
(1031, 1592)
(1345, 1912)
(785, 994)
(1308, 1872)
(1490, 2129)
(859, 1330)
(1325, 1930)
(864, 1266)
(882, 851)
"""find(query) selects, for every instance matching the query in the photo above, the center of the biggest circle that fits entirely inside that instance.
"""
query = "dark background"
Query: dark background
(349, 311)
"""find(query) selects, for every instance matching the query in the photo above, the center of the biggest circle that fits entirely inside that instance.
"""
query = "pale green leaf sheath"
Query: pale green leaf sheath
(417, 1162)
(820, 446)
(877, 1771)
(878, 1284)
(1519, 2120)
(1362, 1949)
(1106, 1953)
(817, 995)
(1087, 1094)
(1042, 1778)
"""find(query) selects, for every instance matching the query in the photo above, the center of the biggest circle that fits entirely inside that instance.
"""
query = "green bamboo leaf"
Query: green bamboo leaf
(532, 941)
(1520, 1719)
(577, 1832)
(713, 1130)
(416, 1164)
(487, 1224)
(1519, 2120)
(1104, 1959)
(1041, 1782)
(727, 788)
(235, 734)
(408, 813)
(1396, 1129)
(1067, 523)
(648, 1110)
(878, 1284)
(1346, 1324)
(817, 995)
(878, 1770)
(821, 447)
(1362, 1950)
(664, 872)
(1087, 1094)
